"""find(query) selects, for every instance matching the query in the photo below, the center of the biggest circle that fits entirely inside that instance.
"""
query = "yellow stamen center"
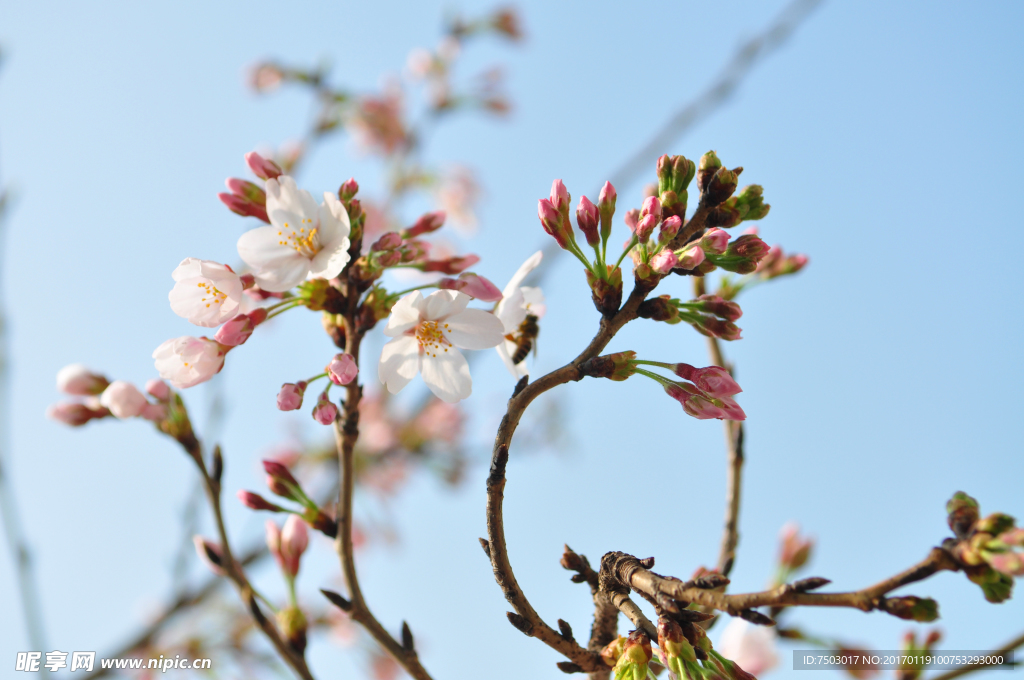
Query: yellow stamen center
(212, 296)
(304, 240)
(431, 337)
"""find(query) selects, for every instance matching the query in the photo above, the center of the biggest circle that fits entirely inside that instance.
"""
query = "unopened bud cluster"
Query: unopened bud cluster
(991, 549)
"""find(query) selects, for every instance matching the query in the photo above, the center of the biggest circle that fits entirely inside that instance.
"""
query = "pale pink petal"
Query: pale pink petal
(406, 313)
(512, 310)
(276, 267)
(444, 303)
(505, 351)
(517, 279)
(399, 363)
(474, 329)
(447, 375)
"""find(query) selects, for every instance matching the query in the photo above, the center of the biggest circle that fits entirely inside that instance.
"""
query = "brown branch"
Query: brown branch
(969, 668)
(629, 571)
(606, 615)
(233, 568)
(345, 435)
(526, 618)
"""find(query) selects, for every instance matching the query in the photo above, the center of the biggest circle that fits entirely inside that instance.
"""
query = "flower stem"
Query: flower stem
(625, 251)
(409, 290)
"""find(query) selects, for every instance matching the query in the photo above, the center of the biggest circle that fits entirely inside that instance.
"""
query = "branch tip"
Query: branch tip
(337, 600)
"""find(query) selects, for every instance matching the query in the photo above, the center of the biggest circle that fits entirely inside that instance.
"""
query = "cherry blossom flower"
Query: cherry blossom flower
(428, 332)
(206, 293)
(77, 380)
(343, 369)
(304, 240)
(516, 303)
(188, 361)
(123, 399)
(750, 646)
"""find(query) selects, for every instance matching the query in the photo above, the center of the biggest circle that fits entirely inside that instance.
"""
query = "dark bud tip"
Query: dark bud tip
(569, 667)
(693, 616)
(486, 546)
(808, 584)
(407, 641)
(757, 617)
(217, 467)
(565, 629)
(647, 562)
(711, 581)
(337, 600)
(578, 578)
(520, 623)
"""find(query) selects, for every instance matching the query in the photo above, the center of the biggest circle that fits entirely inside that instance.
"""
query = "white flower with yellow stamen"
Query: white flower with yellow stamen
(304, 240)
(206, 293)
(428, 333)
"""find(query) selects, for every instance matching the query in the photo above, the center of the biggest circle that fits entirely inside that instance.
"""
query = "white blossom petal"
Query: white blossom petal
(505, 351)
(444, 303)
(533, 300)
(474, 329)
(512, 310)
(524, 270)
(406, 313)
(447, 375)
(276, 268)
(399, 363)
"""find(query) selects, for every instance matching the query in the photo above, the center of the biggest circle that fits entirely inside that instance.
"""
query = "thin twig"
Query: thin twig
(739, 66)
(346, 434)
(632, 573)
(234, 571)
(14, 532)
(1010, 646)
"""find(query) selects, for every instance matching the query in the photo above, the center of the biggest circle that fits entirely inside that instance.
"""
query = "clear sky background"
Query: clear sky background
(878, 382)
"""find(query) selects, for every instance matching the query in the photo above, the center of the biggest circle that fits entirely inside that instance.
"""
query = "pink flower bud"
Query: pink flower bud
(651, 206)
(246, 190)
(724, 308)
(645, 227)
(453, 265)
(749, 246)
(794, 550)
(77, 380)
(714, 381)
(587, 217)
(280, 481)
(257, 502)
(664, 262)
(324, 412)
(348, 190)
(551, 220)
(288, 545)
(290, 396)
(472, 285)
(123, 399)
(427, 223)
(244, 207)
(715, 241)
(691, 258)
(388, 241)
(606, 206)
(158, 389)
(73, 413)
(342, 370)
(560, 196)
(669, 229)
(261, 167)
(210, 553)
(154, 412)
(235, 331)
(725, 330)
(247, 280)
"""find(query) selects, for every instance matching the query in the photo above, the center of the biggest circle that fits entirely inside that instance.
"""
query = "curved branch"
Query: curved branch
(527, 620)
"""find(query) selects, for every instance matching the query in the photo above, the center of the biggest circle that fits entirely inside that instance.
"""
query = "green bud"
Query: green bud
(709, 165)
(911, 608)
(995, 524)
(684, 170)
(962, 511)
(750, 202)
(292, 623)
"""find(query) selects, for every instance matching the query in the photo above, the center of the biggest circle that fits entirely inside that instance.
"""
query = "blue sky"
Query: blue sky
(878, 382)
